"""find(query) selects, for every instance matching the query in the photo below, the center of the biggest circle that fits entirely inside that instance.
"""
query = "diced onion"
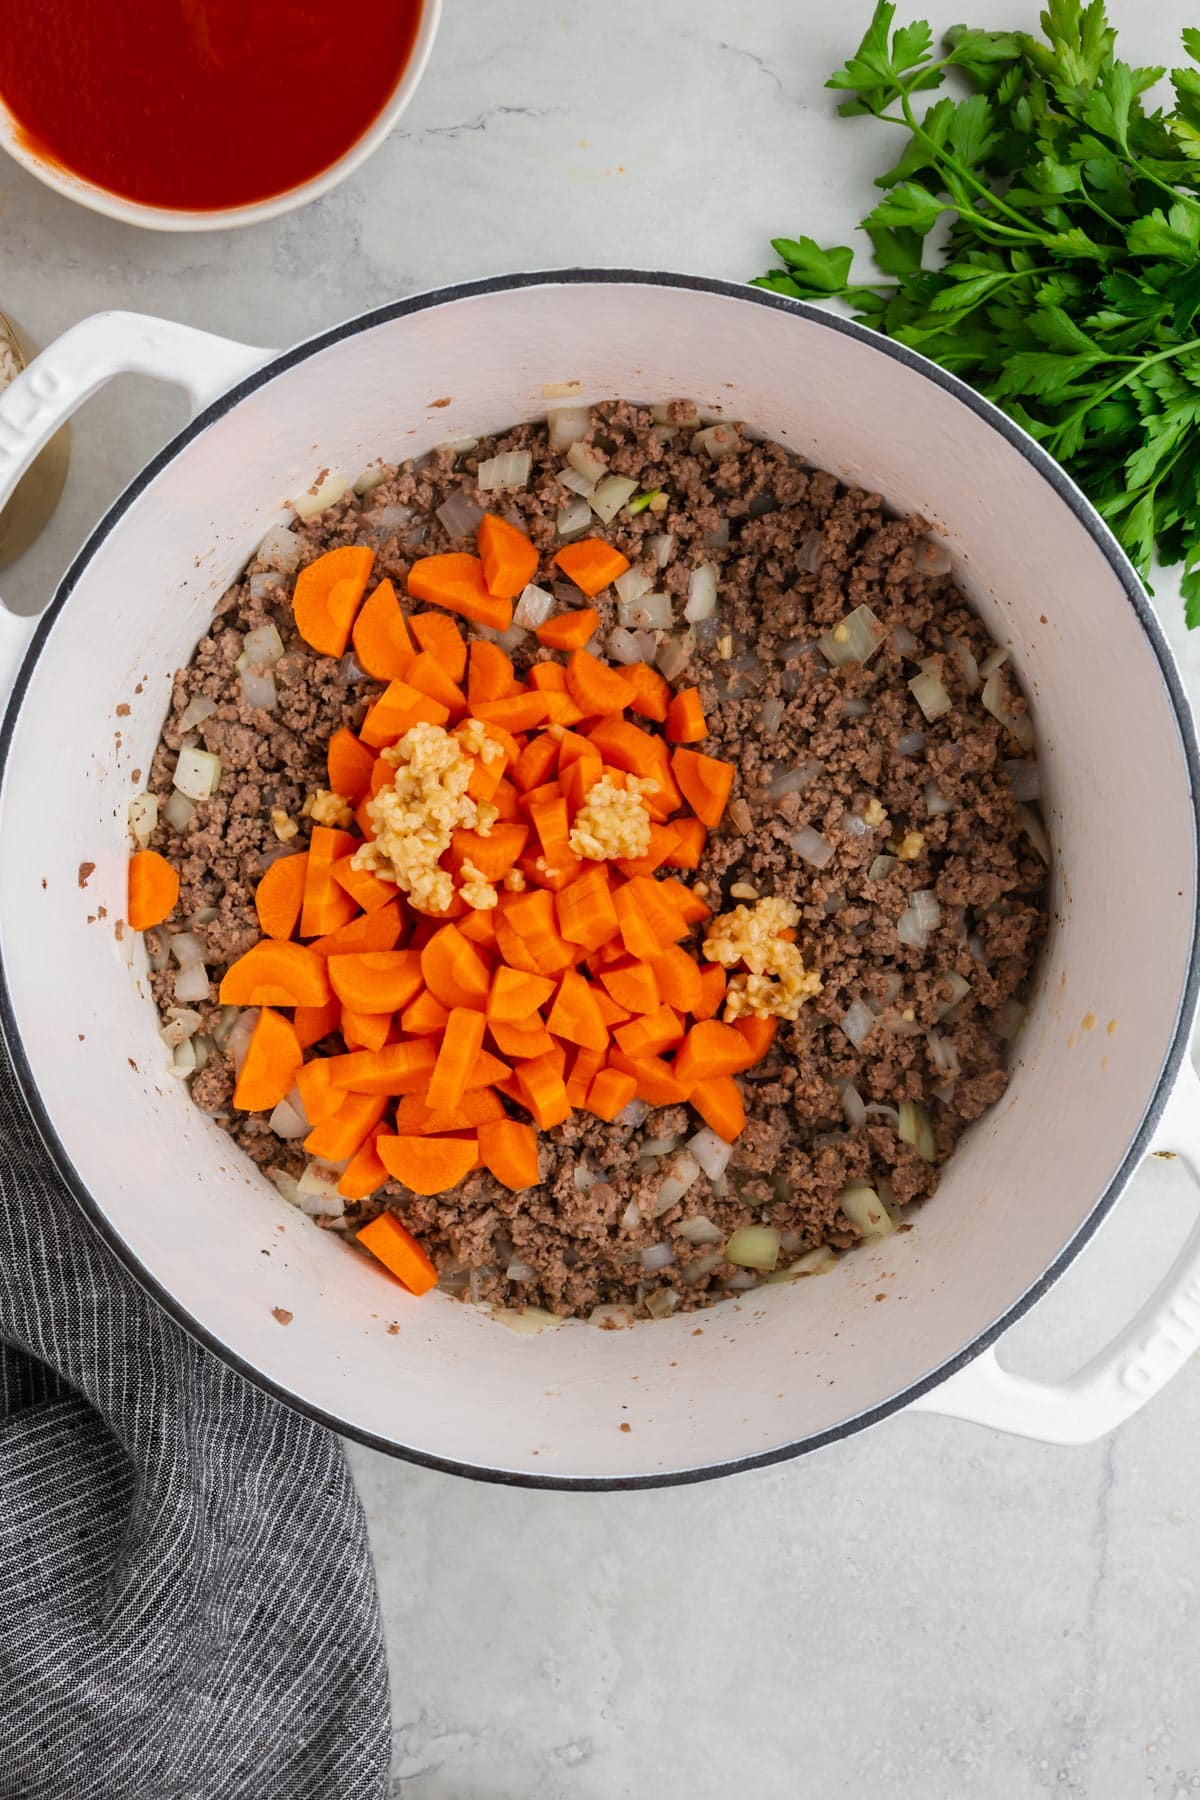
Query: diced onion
(702, 593)
(910, 743)
(259, 690)
(575, 483)
(633, 584)
(994, 699)
(702, 1266)
(718, 537)
(854, 825)
(184, 1059)
(652, 612)
(281, 547)
(460, 514)
(793, 780)
(390, 518)
(197, 774)
(611, 496)
(936, 802)
(753, 1247)
(910, 931)
(995, 659)
(263, 646)
(852, 1104)
(858, 707)
(286, 1122)
(1025, 778)
(930, 695)
(191, 985)
(1034, 830)
(943, 1052)
(586, 463)
(882, 867)
(959, 989)
(866, 1211)
(238, 1041)
(533, 608)
(813, 1262)
(740, 1281)
(904, 640)
(930, 558)
(631, 1218)
(943, 1091)
(567, 425)
(635, 1113)
(661, 547)
(662, 1302)
(719, 441)
(711, 1152)
(331, 490)
(508, 470)
(926, 909)
(369, 480)
(857, 1022)
(966, 661)
(811, 847)
(181, 1023)
(626, 646)
(771, 717)
(187, 949)
(661, 1146)
(585, 1177)
(657, 1256)
(1009, 1019)
(143, 817)
(520, 1271)
(198, 708)
(915, 1129)
(573, 518)
(674, 656)
(682, 1172)
(701, 1230)
(854, 639)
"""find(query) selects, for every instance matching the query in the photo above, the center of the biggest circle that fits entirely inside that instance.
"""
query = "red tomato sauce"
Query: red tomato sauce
(199, 104)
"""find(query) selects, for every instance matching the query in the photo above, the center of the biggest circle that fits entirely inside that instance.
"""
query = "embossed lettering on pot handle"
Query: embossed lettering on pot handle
(56, 384)
(1140, 1360)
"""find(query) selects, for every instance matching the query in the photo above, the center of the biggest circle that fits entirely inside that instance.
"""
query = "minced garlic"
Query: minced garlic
(909, 847)
(418, 814)
(874, 814)
(284, 828)
(330, 809)
(475, 887)
(775, 983)
(613, 823)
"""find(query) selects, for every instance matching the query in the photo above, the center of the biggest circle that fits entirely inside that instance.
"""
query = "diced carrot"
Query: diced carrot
(313, 1023)
(536, 760)
(396, 711)
(376, 980)
(521, 1042)
(382, 643)
(686, 723)
(561, 710)
(493, 856)
(516, 996)
(325, 905)
(584, 1069)
(759, 1035)
(597, 689)
(718, 1100)
(455, 969)
(428, 676)
(710, 1048)
(343, 1133)
(510, 559)
(548, 677)
(662, 915)
(531, 918)
(461, 1042)
(272, 1062)
(364, 1173)
(511, 1092)
(690, 839)
(366, 1031)
(704, 782)
(626, 746)
(416, 1118)
(577, 780)
(610, 1012)
(349, 764)
(544, 1090)
(509, 1149)
(653, 692)
(456, 582)
(520, 712)
(686, 901)
(480, 926)
(364, 821)
(396, 1069)
(398, 1250)
(319, 1092)
(585, 910)
(513, 948)
(637, 934)
(575, 1015)
(573, 748)
(490, 675)
(678, 976)
(443, 640)
(425, 1015)
(569, 630)
(546, 792)
(457, 909)
(279, 895)
(611, 1091)
(662, 842)
(327, 595)
(550, 821)
(276, 974)
(153, 889)
(367, 890)
(712, 991)
(657, 1083)
(378, 930)
(650, 1033)
(591, 564)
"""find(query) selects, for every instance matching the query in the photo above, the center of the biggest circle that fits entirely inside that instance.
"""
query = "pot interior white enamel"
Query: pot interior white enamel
(783, 1368)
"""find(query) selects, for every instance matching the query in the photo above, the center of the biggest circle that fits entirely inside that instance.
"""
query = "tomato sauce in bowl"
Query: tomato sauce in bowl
(199, 105)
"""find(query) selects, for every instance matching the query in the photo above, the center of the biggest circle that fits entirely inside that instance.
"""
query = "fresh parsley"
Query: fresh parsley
(1068, 286)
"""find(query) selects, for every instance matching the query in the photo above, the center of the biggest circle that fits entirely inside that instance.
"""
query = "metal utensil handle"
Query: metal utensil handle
(1131, 1369)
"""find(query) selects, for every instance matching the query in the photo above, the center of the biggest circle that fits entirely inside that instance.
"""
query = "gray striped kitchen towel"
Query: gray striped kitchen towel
(187, 1601)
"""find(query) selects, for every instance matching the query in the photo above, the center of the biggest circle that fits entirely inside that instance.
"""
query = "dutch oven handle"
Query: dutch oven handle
(56, 384)
(1139, 1361)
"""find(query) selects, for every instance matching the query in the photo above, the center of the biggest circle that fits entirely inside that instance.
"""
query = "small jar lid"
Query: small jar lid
(39, 491)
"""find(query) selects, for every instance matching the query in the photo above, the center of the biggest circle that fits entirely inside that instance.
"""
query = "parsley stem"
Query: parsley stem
(1106, 393)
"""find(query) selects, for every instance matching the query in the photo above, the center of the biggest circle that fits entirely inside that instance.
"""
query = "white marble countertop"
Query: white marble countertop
(926, 1612)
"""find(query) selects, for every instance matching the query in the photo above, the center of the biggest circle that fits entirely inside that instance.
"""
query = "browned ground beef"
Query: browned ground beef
(802, 550)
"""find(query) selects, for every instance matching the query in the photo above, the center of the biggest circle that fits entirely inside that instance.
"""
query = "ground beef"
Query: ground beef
(794, 550)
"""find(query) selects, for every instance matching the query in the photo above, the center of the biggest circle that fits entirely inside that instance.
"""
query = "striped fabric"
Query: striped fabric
(187, 1601)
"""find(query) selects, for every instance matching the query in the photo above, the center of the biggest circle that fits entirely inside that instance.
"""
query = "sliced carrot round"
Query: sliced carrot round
(327, 596)
(271, 1065)
(153, 889)
(428, 1165)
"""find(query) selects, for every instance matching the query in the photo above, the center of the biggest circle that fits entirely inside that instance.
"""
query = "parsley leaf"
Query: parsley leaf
(1063, 278)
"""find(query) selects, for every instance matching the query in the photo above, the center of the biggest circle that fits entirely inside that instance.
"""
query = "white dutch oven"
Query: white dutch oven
(790, 1368)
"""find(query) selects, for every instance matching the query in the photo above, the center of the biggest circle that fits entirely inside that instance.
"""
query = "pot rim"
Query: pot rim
(1084, 514)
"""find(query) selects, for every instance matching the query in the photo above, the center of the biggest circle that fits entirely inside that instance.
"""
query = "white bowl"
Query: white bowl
(785, 1368)
(165, 218)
